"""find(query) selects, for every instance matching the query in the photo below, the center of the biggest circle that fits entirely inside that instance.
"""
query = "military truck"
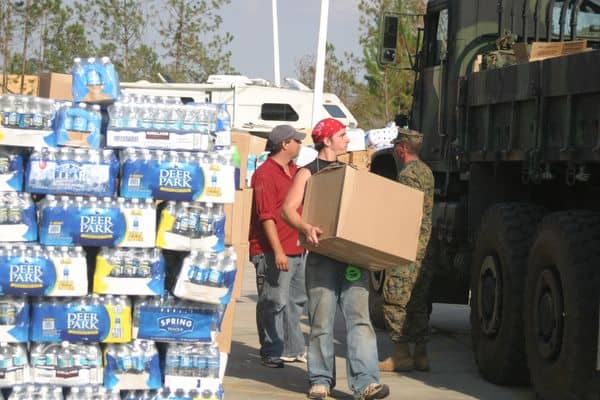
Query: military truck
(515, 150)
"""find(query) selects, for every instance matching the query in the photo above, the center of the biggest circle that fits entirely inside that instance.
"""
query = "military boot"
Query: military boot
(400, 361)
(420, 357)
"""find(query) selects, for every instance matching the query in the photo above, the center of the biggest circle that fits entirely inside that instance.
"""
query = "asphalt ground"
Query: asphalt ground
(453, 374)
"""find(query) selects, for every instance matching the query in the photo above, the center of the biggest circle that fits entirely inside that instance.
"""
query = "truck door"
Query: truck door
(432, 115)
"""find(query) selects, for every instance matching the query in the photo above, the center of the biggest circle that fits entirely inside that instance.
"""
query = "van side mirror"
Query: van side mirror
(400, 40)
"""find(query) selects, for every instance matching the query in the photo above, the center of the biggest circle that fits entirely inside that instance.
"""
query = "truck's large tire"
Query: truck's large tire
(497, 281)
(561, 307)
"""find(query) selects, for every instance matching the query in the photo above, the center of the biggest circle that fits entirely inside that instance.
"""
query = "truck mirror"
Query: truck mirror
(389, 42)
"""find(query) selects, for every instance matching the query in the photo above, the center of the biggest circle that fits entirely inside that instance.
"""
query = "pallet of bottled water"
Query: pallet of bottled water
(207, 277)
(12, 171)
(37, 391)
(161, 123)
(27, 121)
(14, 364)
(178, 176)
(94, 80)
(128, 271)
(167, 393)
(14, 319)
(33, 270)
(98, 222)
(91, 319)
(66, 364)
(134, 365)
(167, 319)
(78, 125)
(189, 226)
(18, 218)
(72, 171)
(193, 366)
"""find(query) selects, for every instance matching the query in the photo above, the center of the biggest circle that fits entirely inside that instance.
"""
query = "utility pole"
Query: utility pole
(276, 45)
(320, 63)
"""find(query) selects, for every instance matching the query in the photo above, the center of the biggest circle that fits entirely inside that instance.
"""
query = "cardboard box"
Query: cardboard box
(367, 220)
(537, 51)
(225, 336)
(13, 84)
(55, 86)
(243, 258)
(248, 146)
(362, 159)
(237, 217)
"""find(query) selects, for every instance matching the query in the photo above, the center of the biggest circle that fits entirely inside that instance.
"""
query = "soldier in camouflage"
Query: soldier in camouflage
(406, 287)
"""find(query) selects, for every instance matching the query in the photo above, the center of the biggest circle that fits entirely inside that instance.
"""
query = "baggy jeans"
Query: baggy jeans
(327, 289)
(281, 300)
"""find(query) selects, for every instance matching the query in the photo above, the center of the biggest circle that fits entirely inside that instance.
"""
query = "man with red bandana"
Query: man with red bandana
(326, 287)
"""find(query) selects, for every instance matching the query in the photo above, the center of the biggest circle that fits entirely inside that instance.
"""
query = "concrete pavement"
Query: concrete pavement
(453, 374)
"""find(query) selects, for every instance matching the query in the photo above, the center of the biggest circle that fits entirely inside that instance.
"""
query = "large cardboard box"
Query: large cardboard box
(226, 334)
(249, 147)
(243, 258)
(537, 51)
(55, 86)
(367, 220)
(13, 84)
(237, 217)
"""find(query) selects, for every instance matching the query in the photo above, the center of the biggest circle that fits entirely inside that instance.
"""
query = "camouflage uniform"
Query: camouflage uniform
(406, 287)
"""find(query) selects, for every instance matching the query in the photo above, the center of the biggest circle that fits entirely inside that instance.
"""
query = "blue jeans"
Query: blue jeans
(281, 300)
(327, 289)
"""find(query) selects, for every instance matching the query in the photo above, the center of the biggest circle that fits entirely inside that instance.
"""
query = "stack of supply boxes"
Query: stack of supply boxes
(115, 270)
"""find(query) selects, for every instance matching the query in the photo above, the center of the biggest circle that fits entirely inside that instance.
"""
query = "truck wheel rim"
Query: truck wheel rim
(490, 295)
(548, 314)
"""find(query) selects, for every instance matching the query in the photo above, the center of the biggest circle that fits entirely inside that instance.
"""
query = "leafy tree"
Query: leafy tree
(190, 39)
(66, 43)
(120, 26)
(145, 64)
(340, 76)
(7, 30)
(389, 90)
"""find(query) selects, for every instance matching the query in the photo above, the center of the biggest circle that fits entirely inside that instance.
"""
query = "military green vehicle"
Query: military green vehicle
(515, 150)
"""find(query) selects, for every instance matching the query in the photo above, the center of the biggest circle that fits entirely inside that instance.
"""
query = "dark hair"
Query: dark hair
(319, 146)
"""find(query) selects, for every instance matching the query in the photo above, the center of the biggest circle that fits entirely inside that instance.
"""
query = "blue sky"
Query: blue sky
(250, 21)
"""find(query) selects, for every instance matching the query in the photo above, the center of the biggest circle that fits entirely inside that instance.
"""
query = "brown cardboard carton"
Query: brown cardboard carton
(226, 334)
(55, 86)
(361, 159)
(537, 51)
(246, 144)
(243, 258)
(13, 84)
(367, 220)
(344, 158)
(237, 217)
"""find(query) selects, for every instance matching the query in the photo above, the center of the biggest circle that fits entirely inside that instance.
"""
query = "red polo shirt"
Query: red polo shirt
(271, 184)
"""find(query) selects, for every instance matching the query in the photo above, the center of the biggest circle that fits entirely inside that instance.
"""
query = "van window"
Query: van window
(334, 111)
(278, 112)
(438, 38)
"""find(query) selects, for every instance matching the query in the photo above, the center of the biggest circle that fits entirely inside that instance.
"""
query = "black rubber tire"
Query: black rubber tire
(376, 299)
(568, 247)
(506, 234)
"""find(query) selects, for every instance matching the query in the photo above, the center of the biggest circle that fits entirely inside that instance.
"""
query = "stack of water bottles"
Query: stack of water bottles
(80, 211)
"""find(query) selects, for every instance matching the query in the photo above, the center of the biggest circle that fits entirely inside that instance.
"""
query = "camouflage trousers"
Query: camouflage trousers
(406, 302)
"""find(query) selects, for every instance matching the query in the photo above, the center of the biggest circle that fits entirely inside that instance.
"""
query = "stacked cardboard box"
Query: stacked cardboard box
(360, 159)
(237, 223)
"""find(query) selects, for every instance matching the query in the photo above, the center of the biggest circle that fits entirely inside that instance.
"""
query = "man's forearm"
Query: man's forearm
(272, 236)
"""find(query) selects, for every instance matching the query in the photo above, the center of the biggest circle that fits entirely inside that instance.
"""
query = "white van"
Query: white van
(254, 105)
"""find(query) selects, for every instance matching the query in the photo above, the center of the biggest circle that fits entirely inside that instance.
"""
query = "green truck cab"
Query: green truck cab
(515, 151)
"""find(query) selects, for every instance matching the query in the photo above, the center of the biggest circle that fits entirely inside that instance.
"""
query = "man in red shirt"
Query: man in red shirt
(275, 253)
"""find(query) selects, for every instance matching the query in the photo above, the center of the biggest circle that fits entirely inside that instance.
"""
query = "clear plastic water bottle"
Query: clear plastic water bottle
(172, 359)
(80, 118)
(116, 114)
(37, 119)
(213, 361)
(215, 275)
(92, 76)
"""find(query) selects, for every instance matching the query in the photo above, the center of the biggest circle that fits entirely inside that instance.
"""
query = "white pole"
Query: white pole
(276, 45)
(320, 64)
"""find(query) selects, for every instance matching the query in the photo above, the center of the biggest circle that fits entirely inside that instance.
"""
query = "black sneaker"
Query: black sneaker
(272, 362)
(375, 391)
